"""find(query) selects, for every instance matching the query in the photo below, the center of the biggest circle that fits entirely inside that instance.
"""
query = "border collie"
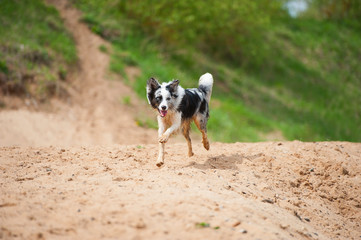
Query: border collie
(178, 107)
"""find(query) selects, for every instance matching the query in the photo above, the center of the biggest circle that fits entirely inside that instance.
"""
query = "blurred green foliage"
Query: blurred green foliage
(275, 76)
(35, 49)
(230, 30)
(346, 11)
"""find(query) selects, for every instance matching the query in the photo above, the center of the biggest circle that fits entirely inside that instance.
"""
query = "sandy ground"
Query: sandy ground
(82, 169)
(285, 190)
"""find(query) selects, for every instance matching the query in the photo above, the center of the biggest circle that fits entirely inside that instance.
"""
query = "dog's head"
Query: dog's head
(162, 97)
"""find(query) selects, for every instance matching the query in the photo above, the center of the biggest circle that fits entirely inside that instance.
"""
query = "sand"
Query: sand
(271, 190)
(81, 168)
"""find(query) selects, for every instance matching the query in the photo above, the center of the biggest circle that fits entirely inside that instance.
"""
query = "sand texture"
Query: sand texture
(272, 190)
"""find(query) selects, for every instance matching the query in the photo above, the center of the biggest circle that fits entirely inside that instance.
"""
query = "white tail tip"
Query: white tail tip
(206, 79)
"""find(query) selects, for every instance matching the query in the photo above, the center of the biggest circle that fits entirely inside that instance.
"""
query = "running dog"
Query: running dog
(178, 107)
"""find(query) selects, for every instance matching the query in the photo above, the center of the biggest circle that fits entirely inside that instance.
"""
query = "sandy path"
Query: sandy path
(289, 190)
(94, 113)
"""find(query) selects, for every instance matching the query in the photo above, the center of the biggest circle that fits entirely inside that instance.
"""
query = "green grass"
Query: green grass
(146, 122)
(126, 100)
(306, 85)
(103, 48)
(35, 48)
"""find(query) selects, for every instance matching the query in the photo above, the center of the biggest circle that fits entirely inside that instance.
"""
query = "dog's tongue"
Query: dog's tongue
(163, 113)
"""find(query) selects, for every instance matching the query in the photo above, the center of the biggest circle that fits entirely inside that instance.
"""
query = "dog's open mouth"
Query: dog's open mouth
(163, 113)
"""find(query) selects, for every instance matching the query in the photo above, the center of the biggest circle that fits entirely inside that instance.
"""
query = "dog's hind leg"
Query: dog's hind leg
(201, 122)
(185, 130)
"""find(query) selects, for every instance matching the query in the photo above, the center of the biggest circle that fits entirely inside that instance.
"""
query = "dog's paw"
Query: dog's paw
(206, 144)
(190, 154)
(163, 138)
(159, 164)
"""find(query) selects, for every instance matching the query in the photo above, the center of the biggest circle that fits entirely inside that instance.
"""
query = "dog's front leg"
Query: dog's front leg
(160, 160)
(177, 120)
(161, 129)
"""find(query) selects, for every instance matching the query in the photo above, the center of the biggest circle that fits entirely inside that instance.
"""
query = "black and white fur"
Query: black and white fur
(178, 107)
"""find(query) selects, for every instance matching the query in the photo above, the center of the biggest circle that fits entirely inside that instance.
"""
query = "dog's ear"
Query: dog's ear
(173, 86)
(152, 86)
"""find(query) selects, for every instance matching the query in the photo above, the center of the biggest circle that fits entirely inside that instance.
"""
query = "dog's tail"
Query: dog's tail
(205, 85)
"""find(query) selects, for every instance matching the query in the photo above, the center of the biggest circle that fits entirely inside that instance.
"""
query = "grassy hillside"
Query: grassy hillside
(35, 49)
(292, 78)
(287, 78)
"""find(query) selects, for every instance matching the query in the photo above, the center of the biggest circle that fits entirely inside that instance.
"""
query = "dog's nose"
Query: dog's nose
(164, 107)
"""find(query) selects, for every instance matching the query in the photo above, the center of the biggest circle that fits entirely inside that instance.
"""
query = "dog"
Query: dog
(178, 107)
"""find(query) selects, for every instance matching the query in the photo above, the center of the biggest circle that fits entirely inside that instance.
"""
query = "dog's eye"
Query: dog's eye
(159, 98)
(168, 98)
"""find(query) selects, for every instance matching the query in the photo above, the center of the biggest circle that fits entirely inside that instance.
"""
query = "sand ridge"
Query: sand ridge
(271, 190)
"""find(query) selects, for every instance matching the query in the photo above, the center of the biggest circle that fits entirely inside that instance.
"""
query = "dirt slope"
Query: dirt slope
(289, 190)
(92, 115)
(63, 177)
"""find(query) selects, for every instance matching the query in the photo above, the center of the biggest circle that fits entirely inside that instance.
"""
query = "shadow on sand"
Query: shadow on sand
(224, 161)
(219, 162)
